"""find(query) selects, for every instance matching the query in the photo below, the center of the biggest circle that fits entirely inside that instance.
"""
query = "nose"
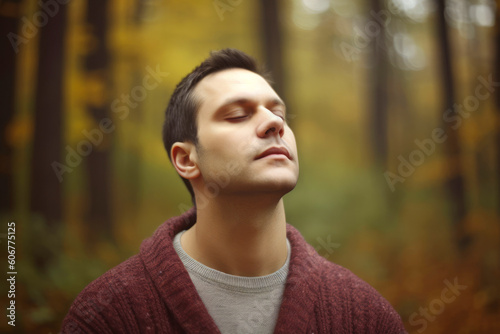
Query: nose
(271, 124)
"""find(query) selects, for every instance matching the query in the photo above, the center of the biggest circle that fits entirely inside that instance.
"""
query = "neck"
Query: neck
(239, 235)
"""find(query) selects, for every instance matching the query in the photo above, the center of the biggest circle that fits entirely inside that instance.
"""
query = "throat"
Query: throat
(238, 244)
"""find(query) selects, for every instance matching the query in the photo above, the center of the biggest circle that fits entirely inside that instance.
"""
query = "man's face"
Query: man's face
(244, 144)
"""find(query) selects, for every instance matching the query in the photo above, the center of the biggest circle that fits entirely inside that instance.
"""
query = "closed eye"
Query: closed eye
(280, 114)
(237, 118)
(278, 108)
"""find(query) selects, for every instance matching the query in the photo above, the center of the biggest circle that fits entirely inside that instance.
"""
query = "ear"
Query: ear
(185, 159)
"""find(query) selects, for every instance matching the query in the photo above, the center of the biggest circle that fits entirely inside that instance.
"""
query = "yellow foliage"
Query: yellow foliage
(96, 89)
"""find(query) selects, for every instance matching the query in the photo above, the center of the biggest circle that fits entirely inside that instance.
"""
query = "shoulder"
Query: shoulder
(335, 279)
(104, 304)
(340, 298)
(133, 296)
(366, 308)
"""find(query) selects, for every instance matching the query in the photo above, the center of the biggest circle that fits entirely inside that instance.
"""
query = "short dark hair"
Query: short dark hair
(180, 116)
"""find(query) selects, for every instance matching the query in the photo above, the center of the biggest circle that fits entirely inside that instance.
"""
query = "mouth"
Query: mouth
(275, 151)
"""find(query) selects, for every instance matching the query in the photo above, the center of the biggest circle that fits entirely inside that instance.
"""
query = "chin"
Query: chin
(278, 185)
(279, 182)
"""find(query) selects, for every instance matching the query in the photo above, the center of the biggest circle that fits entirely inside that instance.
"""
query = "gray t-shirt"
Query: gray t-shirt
(237, 304)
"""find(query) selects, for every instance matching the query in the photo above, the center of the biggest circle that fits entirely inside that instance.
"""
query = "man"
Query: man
(231, 264)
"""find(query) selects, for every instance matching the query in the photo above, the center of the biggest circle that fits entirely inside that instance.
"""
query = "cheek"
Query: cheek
(235, 144)
(218, 150)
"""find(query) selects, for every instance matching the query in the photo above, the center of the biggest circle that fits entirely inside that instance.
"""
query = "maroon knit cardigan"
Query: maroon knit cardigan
(152, 293)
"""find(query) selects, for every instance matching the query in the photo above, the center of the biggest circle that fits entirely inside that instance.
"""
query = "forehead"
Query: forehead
(225, 85)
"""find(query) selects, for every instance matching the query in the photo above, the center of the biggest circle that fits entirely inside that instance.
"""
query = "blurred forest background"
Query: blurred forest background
(395, 105)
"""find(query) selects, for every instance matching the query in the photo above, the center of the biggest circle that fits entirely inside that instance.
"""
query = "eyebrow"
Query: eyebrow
(243, 101)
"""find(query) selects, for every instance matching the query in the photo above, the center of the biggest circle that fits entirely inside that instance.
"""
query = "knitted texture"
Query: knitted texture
(152, 293)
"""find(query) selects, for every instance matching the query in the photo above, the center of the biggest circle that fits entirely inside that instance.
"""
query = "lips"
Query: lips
(274, 151)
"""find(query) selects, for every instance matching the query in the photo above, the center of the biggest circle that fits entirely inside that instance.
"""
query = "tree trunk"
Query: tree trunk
(455, 181)
(46, 189)
(379, 105)
(9, 20)
(496, 78)
(272, 43)
(99, 215)
(133, 167)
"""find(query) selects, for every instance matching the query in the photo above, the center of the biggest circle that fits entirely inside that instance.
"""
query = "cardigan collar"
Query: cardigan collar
(179, 293)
